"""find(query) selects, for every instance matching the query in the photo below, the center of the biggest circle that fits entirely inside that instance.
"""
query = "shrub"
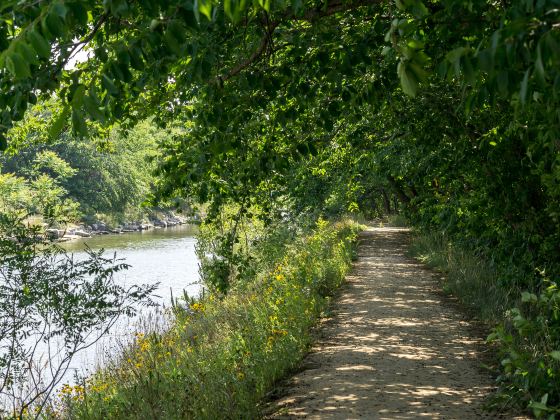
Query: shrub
(530, 352)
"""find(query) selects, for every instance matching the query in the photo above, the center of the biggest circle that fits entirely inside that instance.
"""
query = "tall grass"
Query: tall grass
(470, 278)
(220, 357)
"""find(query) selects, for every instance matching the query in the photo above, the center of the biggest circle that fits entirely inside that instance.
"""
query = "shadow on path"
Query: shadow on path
(393, 348)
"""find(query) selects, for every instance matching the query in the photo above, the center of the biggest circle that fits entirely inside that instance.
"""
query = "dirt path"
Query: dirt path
(395, 348)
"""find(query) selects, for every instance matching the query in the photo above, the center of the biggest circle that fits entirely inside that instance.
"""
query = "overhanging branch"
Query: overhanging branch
(310, 16)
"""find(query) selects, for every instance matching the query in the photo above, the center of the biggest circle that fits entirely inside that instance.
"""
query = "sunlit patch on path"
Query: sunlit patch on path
(393, 349)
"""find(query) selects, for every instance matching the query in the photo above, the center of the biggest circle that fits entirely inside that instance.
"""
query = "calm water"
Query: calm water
(164, 256)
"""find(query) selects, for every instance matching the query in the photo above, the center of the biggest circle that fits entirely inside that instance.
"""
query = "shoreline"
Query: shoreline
(75, 232)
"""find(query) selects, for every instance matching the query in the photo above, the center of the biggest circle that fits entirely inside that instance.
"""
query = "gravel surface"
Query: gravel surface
(394, 348)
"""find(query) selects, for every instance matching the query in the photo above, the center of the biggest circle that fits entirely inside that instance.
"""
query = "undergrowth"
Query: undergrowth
(221, 356)
(474, 281)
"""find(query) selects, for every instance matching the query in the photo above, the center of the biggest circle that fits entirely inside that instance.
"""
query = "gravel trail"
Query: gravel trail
(394, 348)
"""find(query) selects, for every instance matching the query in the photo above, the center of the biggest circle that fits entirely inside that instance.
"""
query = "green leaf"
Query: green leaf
(418, 9)
(539, 68)
(60, 121)
(234, 8)
(204, 7)
(27, 53)
(79, 12)
(136, 58)
(79, 123)
(59, 9)
(265, 4)
(486, 60)
(468, 70)
(18, 66)
(92, 108)
(109, 85)
(55, 24)
(409, 83)
(503, 82)
(40, 44)
(555, 355)
(77, 98)
(524, 87)
(420, 74)
(173, 42)
(528, 297)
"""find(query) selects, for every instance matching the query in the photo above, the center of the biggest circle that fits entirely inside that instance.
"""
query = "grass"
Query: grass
(221, 357)
(470, 278)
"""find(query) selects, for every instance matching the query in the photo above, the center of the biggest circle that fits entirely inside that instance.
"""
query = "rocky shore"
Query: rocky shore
(101, 228)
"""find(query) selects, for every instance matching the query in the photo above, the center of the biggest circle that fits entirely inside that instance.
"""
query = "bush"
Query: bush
(527, 334)
(530, 352)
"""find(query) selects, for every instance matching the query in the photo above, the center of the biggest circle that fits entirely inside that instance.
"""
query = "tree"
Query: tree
(308, 106)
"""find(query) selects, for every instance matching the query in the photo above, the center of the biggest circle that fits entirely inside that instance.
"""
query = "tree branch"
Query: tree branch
(255, 57)
(310, 16)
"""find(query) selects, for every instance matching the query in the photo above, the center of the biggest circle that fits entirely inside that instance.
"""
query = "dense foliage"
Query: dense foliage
(68, 179)
(310, 107)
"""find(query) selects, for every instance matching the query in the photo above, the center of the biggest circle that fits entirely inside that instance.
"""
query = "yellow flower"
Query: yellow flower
(144, 345)
(197, 307)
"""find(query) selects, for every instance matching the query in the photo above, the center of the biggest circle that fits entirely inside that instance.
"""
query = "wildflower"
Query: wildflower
(197, 307)
(144, 345)
(65, 390)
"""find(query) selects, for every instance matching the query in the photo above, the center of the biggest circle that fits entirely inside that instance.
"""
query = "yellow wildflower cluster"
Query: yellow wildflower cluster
(197, 307)
(143, 345)
(75, 392)
(99, 387)
(269, 344)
